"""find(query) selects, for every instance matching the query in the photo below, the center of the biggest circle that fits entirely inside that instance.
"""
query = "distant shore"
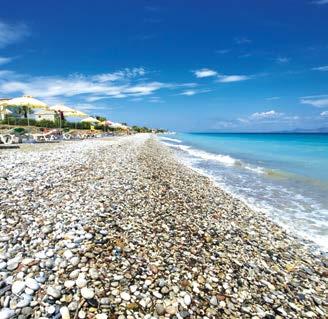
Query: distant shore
(117, 228)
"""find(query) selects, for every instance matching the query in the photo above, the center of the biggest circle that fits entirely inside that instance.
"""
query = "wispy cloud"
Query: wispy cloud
(232, 78)
(193, 92)
(223, 51)
(12, 33)
(242, 40)
(266, 115)
(272, 98)
(282, 60)
(5, 60)
(127, 83)
(204, 73)
(321, 68)
(324, 114)
(319, 2)
(120, 75)
(316, 101)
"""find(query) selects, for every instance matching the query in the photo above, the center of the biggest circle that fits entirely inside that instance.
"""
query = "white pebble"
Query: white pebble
(87, 293)
(125, 296)
(17, 287)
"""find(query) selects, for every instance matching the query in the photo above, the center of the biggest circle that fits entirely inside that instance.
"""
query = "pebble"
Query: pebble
(87, 293)
(6, 313)
(81, 282)
(187, 300)
(32, 284)
(64, 313)
(125, 296)
(53, 292)
(110, 235)
(18, 287)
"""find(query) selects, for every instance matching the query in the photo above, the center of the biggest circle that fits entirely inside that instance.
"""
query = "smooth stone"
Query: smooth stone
(64, 313)
(69, 284)
(171, 310)
(74, 261)
(187, 300)
(82, 314)
(160, 310)
(12, 264)
(81, 282)
(53, 292)
(133, 288)
(213, 301)
(125, 296)
(17, 287)
(68, 254)
(3, 265)
(87, 293)
(51, 310)
(32, 284)
(25, 301)
(72, 306)
(104, 301)
(94, 274)
(157, 295)
(74, 274)
(6, 313)
(165, 290)
(27, 312)
(101, 316)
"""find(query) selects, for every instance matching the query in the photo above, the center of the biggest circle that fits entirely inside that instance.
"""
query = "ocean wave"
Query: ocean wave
(223, 159)
(170, 139)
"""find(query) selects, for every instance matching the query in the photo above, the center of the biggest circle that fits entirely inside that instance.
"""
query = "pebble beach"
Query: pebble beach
(119, 228)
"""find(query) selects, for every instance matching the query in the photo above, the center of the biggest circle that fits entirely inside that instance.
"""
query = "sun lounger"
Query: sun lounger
(49, 136)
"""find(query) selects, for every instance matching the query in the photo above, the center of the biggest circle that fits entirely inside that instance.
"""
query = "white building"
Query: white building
(47, 115)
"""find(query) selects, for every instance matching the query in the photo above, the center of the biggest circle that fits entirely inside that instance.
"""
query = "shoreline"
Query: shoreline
(134, 233)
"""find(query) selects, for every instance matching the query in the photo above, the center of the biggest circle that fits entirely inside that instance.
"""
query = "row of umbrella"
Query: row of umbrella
(32, 103)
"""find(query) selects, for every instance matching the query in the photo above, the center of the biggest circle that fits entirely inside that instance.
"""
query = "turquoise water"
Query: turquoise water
(284, 175)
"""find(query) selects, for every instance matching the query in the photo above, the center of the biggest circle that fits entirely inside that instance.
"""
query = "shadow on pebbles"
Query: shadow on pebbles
(119, 229)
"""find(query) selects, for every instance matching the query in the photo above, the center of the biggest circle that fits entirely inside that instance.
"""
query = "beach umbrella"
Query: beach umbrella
(63, 110)
(90, 120)
(26, 101)
(106, 123)
(78, 113)
(119, 125)
(3, 112)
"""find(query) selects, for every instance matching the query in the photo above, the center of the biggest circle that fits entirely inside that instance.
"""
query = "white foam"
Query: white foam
(170, 139)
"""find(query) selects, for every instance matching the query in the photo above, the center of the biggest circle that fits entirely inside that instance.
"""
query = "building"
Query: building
(46, 115)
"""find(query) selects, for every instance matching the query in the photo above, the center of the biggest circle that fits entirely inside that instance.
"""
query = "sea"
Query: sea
(284, 176)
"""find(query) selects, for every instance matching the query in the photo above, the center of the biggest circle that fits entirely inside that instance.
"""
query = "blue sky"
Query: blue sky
(183, 65)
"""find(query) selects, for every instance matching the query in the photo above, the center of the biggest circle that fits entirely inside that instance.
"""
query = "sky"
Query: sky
(185, 65)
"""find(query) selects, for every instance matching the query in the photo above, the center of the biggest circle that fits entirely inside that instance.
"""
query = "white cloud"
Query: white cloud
(282, 60)
(321, 68)
(12, 33)
(316, 101)
(273, 98)
(320, 2)
(242, 40)
(189, 92)
(5, 60)
(193, 92)
(266, 115)
(87, 87)
(232, 78)
(204, 73)
(120, 75)
(324, 114)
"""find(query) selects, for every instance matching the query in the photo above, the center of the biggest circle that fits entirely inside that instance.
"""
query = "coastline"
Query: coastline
(121, 221)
